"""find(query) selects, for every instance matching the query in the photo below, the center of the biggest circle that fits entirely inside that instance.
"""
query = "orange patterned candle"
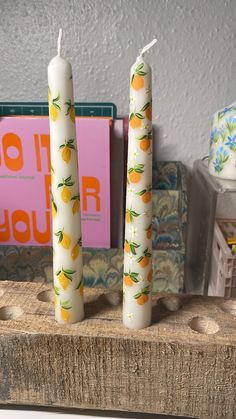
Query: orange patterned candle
(137, 280)
(67, 257)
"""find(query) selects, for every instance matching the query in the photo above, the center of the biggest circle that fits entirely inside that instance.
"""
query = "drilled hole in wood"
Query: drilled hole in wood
(204, 325)
(46, 296)
(10, 312)
(171, 303)
(229, 307)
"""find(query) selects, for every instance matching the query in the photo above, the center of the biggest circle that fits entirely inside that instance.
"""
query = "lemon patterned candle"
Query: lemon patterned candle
(67, 257)
(137, 279)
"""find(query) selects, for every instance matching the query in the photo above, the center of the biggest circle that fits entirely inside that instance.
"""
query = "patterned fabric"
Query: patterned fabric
(104, 267)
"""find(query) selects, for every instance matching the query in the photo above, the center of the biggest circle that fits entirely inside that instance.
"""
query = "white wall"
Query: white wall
(193, 64)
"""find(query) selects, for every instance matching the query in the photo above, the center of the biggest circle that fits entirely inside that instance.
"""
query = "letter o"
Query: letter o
(12, 140)
(20, 216)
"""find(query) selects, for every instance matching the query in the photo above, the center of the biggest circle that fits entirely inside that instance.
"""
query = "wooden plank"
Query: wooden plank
(184, 364)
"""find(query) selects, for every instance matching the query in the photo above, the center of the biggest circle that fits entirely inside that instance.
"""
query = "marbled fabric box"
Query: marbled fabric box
(104, 267)
(167, 226)
(169, 206)
(166, 175)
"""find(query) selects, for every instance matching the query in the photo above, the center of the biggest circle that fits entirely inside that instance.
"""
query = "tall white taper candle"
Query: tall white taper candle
(137, 280)
(67, 255)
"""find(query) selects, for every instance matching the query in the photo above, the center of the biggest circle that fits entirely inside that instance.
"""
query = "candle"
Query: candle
(137, 279)
(222, 157)
(66, 224)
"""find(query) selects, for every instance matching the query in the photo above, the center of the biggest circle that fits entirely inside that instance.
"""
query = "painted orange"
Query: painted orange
(134, 177)
(144, 144)
(128, 281)
(135, 122)
(137, 82)
(146, 197)
(142, 299)
(149, 112)
(127, 216)
(127, 247)
(149, 233)
(149, 277)
(144, 262)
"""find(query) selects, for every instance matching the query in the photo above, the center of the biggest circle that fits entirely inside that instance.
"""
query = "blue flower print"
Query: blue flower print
(231, 124)
(215, 134)
(226, 110)
(211, 155)
(232, 119)
(221, 158)
(231, 142)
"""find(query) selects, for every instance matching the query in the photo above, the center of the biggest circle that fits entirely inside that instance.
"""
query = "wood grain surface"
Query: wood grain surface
(184, 364)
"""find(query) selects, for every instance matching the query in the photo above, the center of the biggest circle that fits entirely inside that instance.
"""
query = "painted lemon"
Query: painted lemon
(53, 113)
(75, 251)
(54, 209)
(72, 114)
(65, 315)
(66, 154)
(65, 242)
(66, 194)
(75, 207)
(63, 280)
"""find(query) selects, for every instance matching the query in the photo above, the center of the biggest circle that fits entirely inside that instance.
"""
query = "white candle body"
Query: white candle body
(137, 280)
(67, 254)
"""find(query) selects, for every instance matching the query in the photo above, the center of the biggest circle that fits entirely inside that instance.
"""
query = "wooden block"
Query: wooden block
(184, 364)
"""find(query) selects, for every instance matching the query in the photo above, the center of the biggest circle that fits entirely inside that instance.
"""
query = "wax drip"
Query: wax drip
(147, 47)
(59, 43)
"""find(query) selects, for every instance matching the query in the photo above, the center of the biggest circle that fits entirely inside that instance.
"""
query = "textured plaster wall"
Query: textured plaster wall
(193, 63)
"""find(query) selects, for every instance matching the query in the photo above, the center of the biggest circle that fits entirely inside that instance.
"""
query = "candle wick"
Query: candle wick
(147, 47)
(59, 42)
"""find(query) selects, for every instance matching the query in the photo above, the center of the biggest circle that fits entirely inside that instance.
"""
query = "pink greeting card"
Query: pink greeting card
(93, 136)
(25, 202)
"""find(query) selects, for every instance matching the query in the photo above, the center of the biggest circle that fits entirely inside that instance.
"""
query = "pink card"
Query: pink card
(25, 203)
(93, 136)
